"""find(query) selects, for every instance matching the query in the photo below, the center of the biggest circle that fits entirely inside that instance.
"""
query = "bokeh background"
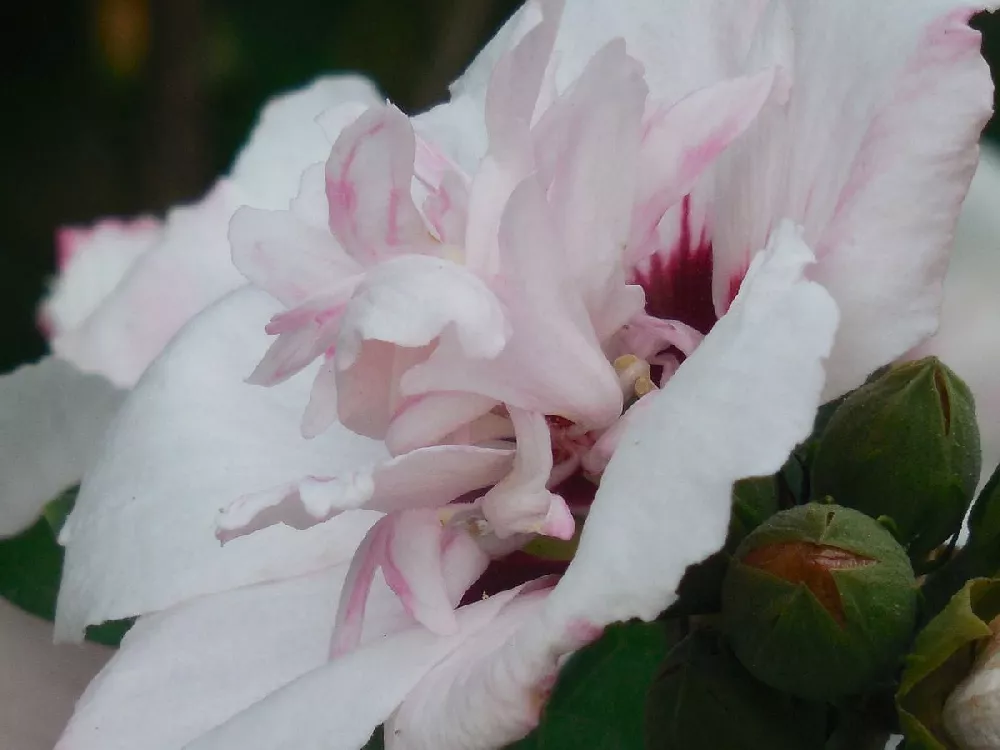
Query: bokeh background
(122, 107)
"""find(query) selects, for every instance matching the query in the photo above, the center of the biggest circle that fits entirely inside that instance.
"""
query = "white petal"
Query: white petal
(288, 138)
(39, 682)
(872, 155)
(192, 438)
(337, 706)
(92, 261)
(182, 672)
(52, 419)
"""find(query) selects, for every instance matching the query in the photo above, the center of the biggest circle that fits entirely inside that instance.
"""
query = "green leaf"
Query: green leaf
(943, 654)
(30, 569)
(30, 566)
(598, 702)
(704, 699)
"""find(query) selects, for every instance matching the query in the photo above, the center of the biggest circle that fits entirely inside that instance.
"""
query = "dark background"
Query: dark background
(119, 107)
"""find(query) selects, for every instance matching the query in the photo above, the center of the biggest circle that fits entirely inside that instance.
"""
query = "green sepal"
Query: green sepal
(704, 699)
(598, 701)
(942, 656)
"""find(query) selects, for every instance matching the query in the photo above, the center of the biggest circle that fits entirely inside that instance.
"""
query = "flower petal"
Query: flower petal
(285, 256)
(872, 155)
(142, 535)
(52, 418)
(521, 503)
(288, 137)
(41, 682)
(735, 408)
(550, 327)
(369, 683)
(182, 672)
(91, 262)
(368, 178)
(425, 478)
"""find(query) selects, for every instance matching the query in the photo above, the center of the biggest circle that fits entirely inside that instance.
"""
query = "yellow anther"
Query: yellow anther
(643, 386)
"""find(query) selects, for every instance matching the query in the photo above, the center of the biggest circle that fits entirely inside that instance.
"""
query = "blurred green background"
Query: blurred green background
(119, 107)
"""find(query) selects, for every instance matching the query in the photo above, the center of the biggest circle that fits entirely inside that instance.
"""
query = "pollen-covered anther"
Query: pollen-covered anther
(634, 376)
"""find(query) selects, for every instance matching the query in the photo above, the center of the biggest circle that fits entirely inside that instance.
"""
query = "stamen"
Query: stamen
(634, 376)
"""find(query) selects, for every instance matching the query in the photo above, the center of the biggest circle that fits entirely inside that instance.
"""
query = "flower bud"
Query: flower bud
(819, 601)
(972, 712)
(904, 446)
(703, 699)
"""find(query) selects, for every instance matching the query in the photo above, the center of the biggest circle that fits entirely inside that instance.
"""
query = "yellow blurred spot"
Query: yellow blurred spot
(123, 35)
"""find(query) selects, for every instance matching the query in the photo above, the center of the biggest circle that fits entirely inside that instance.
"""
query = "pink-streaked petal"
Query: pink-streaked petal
(91, 262)
(294, 350)
(189, 439)
(412, 568)
(182, 672)
(52, 419)
(874, 169)
(368, 178)
(681, 142)
(521, 503)
(550, 328)
(429, 419)
(289, 136)
(509, 107)
(735, 408)
(41, 682)
(587, 145)
(425, 478)
(286, 257)
(369, 684)
(647, 336)
(447, 209)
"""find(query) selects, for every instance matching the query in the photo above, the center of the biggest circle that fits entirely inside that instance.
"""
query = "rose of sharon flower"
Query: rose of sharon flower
(124, 288)
(593, 290)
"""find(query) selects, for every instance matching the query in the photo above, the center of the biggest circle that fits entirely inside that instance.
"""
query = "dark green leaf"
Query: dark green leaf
(598, 702)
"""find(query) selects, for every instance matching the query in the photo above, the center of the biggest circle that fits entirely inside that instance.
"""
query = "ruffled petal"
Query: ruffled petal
(190, 439)
(52, 419)
(425, 478)
(368, 178)
(91, 262)
(41, 681)
(550, 328)
(165, 287)
(288, 258)
(521, 503)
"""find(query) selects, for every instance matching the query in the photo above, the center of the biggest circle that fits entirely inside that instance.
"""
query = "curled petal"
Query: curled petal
(425, 478)
(368, 178)
(521, 503)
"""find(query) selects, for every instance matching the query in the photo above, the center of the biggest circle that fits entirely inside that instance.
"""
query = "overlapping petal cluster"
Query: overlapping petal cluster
(618, 271)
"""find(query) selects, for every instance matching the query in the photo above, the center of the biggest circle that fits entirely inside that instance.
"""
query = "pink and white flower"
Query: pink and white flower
(124, 288)
(621, 250)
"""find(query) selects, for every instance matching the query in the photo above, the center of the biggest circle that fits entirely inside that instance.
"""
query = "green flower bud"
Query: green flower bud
(703, 699)
(819, 601)
(905, 446)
